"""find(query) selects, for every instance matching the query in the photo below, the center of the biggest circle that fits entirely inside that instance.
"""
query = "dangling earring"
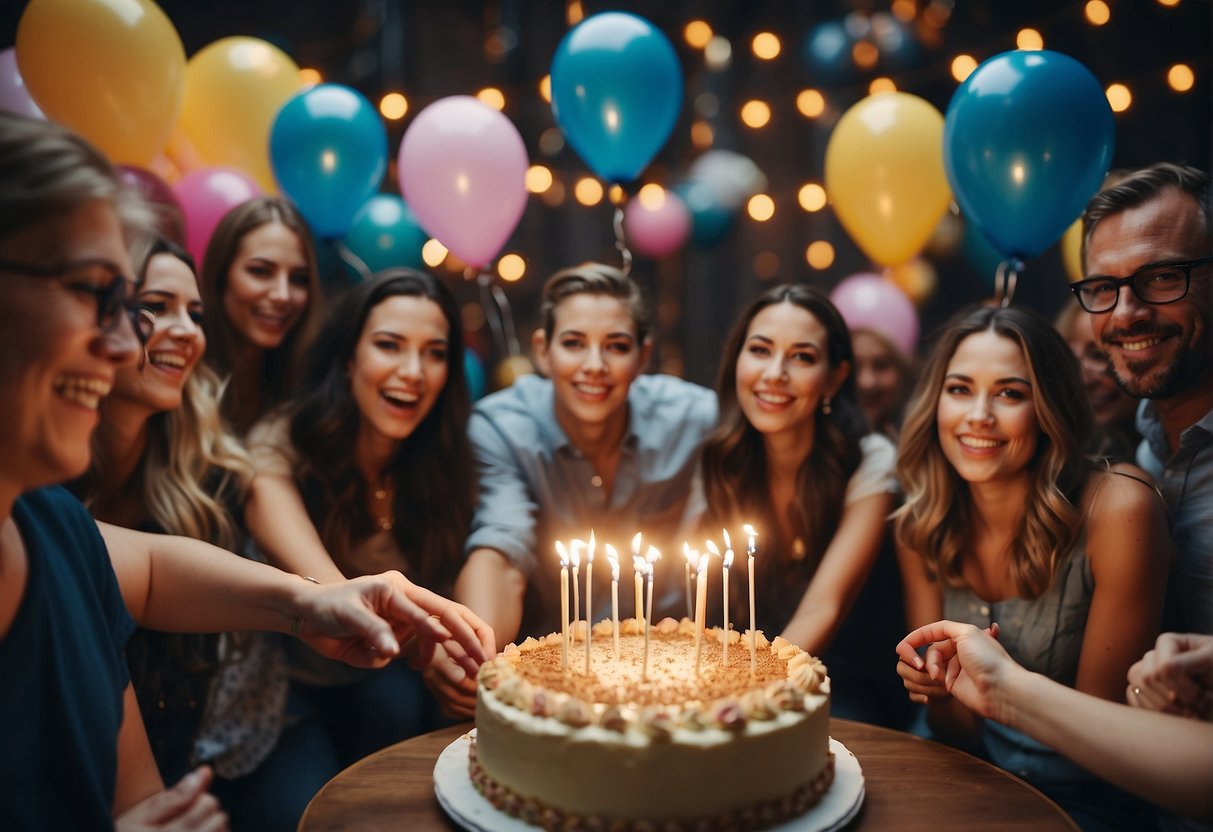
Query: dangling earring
(825, 406)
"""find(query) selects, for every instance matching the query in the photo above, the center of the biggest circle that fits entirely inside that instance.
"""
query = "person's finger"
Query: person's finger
(953, 673)
(908, 654)
(203, 813)
(938, 656)
(470, 631)
(164, 806)
(938, 631)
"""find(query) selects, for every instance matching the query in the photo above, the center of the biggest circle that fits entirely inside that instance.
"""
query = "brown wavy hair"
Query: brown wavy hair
(734, 459)
(936, 517)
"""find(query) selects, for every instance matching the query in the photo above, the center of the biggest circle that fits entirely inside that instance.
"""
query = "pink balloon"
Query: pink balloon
(14, 97)
(659, 227)
(868, 301)
(206, 195)
(462, 168)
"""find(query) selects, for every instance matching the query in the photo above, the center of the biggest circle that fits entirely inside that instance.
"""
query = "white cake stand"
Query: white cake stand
(471, 810)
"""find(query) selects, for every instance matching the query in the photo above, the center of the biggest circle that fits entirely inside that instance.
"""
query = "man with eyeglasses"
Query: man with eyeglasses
(1147, 260)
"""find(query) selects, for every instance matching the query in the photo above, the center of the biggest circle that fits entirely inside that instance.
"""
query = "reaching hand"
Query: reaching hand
(186, 806)
(966, 660)
(1175, 677)
(363, 621)
(452, 686)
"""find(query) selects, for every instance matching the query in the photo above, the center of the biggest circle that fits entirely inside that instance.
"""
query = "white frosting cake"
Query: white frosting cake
(612, 750)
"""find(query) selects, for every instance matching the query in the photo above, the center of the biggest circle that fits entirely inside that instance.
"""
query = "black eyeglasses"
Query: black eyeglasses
(1159, 283)
(104, 282)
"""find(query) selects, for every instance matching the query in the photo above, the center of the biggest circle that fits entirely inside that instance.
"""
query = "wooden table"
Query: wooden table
(911, 784)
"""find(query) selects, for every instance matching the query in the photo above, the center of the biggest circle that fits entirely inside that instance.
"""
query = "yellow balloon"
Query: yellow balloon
(917, 278)
(234, 89)
(884, 174)
(112, 70)
(1071, 251)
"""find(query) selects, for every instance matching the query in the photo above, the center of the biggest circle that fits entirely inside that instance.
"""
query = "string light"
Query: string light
(511, 267)
(1097, 12)
(697, 33)
(811, 103)
(760, 207)
(718, 54)
(652, 196)
(1119, 97)
(756, 114)
(393, 106)
(588, 191)
(766, 46)
(1029, 39)
(812, 197)
(492, 96)
(309, 77)
(545, 88)
(820, 255)
(865, 54)
(963, 66)
(702, 135)
(904, 10)
(538, 179)
(881, 85)
(1168, 3)
(1181, 78)
(433, 253)
(573, 12)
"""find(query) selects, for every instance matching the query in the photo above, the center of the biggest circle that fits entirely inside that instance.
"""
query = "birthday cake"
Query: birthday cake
(680, 740)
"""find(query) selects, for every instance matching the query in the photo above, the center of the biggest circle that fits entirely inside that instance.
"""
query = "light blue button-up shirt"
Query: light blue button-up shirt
(536, 488)
(1186, 480)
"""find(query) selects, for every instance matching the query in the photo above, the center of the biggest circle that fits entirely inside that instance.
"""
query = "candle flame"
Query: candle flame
(750, 547)
(639, 564)
(711, 547)
(563, 553)
(575, 547)
(749, 530)
(703, 563)
(589, 554)
(636, 545)
(653, 554)
(728, 558)
(613, 559)
(728, 543)
(690, 554)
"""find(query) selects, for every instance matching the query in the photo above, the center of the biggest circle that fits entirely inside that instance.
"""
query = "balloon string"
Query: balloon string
(621, 242)
(497, 312)
(352, 260)
(1006, 278)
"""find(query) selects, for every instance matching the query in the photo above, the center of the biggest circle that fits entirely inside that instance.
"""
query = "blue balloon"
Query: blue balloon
(616, 93)
(710, 220)
(473, 368)
(328, 149)
(385, 234)
(1027, 140)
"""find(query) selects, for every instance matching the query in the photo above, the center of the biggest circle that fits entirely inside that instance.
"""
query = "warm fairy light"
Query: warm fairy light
(393, 106)
(652, 196)
(1168, 3)
(1181, 77)
(718, 53)
(1119, 97)
(616, 194)
(760, 207)
(963, 66)
(433, 253)
(554, 196)
(766, 46)
(812, 197)
(881, 85)
(588, 191)
(538, 179)
(865, 54)
(702, 135)
(904, 10)
(697, 33)
(820, 255)
(811, 103)
(545, 88)
(1097, 12)
(573, 12)
(511, 267)
(1029, 39)
(492, 96)
(309, 77)
(756, 113)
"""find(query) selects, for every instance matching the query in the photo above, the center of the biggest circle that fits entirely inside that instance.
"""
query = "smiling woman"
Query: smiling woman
(1005, 521)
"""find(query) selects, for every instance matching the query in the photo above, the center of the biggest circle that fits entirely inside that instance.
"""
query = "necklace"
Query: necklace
(382, 509)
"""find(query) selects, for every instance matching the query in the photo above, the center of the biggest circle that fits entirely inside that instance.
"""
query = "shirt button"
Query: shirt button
(596, 481)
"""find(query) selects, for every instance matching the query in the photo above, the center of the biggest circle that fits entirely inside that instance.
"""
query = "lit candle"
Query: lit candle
(750, 549)
(701, 607)
(589, 600)
(728, 561)
(651, 556)
(575, 547)
(564, 604)
(613, 559)
(638, 565)
(692, 560)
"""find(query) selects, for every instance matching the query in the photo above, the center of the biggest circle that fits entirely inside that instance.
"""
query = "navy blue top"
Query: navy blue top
(62, 673)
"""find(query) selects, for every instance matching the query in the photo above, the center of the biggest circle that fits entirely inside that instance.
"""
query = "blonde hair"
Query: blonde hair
(936, 519)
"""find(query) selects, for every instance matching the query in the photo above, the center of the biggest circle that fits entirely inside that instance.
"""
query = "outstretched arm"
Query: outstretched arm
(1161, 757)
(1176, 676)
